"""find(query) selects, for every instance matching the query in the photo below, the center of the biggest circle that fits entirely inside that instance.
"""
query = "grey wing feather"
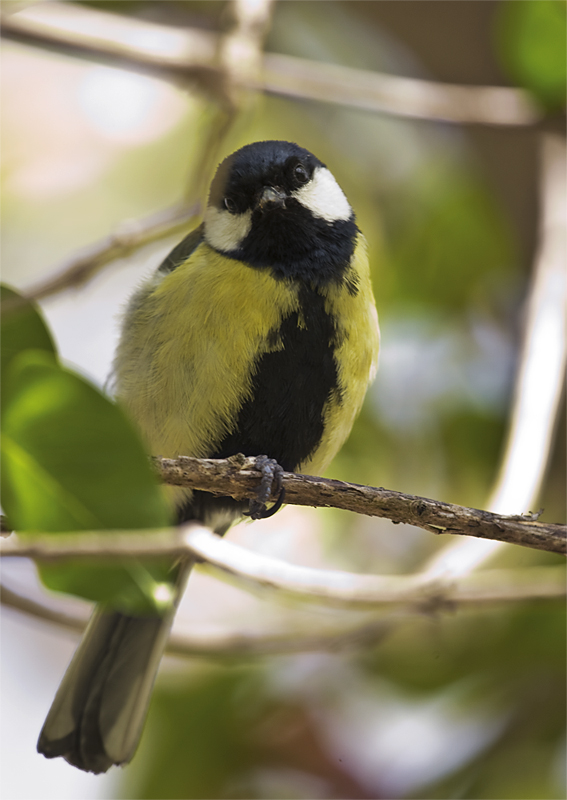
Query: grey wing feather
(182, 251)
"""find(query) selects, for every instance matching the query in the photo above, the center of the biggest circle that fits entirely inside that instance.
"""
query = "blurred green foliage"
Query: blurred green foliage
(215, 713)
(532, 44)
(517, 658)
(453, 245)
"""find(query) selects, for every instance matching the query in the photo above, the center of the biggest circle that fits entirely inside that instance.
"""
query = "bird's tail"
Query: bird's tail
(98, 713)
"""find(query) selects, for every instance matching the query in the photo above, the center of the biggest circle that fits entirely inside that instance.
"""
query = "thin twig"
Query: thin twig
(238, 478)
(83, 265)
(74, 621)
(195, 63)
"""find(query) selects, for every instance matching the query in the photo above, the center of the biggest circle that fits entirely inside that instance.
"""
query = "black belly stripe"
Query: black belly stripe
(284, 417)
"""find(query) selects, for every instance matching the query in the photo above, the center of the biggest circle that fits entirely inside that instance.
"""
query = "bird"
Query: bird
(258, 334)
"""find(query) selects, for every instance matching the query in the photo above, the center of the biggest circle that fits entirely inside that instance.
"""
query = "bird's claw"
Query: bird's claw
(272, 480)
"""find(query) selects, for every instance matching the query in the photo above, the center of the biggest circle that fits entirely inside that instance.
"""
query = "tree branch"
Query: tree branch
(238, 478)
(397, 96)
(333, 587)
(192, 59)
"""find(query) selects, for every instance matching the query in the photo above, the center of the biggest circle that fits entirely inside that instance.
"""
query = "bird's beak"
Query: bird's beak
(272, 196)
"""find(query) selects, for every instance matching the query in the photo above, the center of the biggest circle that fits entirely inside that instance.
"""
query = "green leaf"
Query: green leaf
(23, 328)
(72, 461)
(531, 41)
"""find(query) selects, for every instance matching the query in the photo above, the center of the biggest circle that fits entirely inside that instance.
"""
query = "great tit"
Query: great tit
(258, 334)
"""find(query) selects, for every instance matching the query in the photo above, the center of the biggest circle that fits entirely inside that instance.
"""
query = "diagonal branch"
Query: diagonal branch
(131, 236)
(250, 24)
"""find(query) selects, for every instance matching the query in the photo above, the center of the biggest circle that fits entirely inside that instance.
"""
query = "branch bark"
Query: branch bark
(238, 477)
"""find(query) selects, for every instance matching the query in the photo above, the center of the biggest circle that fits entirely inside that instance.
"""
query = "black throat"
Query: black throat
(292, 243)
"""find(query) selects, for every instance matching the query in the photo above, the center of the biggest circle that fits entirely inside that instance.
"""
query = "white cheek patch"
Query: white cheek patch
(324, 197)
(224, 231)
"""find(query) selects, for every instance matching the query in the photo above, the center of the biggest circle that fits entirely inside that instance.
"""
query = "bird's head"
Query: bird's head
(275, 205)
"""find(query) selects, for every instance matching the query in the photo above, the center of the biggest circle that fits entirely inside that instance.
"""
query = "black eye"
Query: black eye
(230, 205)
(300, 174)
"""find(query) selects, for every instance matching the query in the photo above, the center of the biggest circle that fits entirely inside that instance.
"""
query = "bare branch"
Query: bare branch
(183, 58)
(397, 96)
(237, 57)
(193, 61)
(240, 50)
(96, 544)
(71, 620)
(130, 236)
(334, 588)
(238, 477)
(355, 633)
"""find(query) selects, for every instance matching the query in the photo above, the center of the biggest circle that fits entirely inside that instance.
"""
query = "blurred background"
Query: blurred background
(466, 704)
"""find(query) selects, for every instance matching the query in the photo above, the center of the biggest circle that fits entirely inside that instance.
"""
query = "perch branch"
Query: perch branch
(238, 477)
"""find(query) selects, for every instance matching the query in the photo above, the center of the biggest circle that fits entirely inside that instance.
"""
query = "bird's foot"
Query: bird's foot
(272, 475)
